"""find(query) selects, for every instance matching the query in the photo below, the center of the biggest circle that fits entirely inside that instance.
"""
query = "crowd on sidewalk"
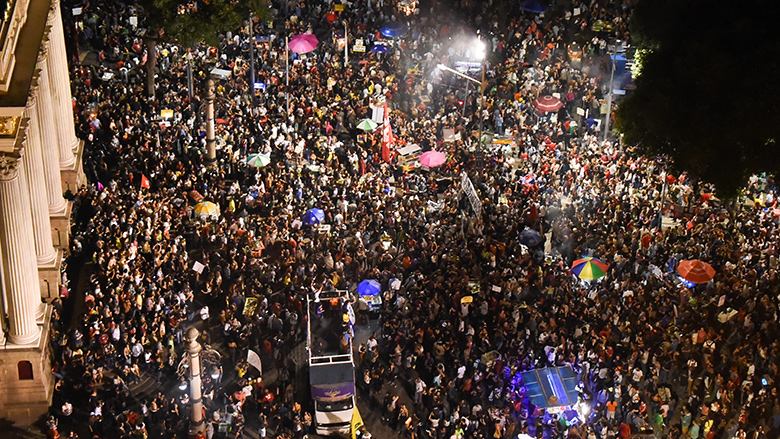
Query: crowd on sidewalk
(652, 353)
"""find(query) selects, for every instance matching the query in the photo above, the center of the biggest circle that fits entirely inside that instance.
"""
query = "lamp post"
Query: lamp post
(476, 52)
(197, 427)
(476, 81)
(190, 86)
(616, 48)
(481, 102)
(190, 370)
(251, 57)
(287, 77)
(346, 45)
(609, 99)
(211, 141)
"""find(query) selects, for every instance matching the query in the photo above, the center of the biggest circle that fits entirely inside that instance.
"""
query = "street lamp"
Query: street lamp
(191, 368)
(617, 47)
(251, 57)
(475, 53)
(211, 141)
(478, 52)
(190, 86)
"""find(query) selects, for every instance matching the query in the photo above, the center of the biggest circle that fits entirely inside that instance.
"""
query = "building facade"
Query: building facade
(40, 159)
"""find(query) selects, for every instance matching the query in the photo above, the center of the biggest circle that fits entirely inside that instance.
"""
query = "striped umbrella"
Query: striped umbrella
(589, 268)
(367, 125)
(696, 271)
(258, 160)
(547, 104)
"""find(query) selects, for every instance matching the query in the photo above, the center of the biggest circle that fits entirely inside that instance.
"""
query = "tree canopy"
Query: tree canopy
(188, 22)
(707, 95)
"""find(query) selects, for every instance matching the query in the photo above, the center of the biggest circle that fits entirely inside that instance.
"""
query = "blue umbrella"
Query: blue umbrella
(535, 6)
(313, 216)
(394, 29)
(369, 287)
(379, 48)
(530, 238)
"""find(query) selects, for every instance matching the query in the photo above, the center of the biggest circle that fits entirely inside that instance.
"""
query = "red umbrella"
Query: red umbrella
(547, 104)
(696, 271)
(303, 43)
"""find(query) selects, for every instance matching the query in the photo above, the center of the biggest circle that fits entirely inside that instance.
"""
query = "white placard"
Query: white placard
(254, 360)
(198, 267)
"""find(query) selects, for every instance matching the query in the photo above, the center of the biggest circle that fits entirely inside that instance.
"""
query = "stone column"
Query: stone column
(17, 247)
(59, 79)
(49, 90)
(33, 167)
(197, 427)
(48, 135)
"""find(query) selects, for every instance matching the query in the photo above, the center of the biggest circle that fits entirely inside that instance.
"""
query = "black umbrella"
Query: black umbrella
(531, 238)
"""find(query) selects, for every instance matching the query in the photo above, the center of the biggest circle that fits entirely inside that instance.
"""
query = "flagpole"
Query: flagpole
(346, 45)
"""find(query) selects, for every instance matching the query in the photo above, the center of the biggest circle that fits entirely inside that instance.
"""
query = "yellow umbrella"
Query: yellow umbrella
(467, 299)
(205, 209)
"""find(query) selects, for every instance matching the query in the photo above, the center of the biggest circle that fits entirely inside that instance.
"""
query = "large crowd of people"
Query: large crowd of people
(654, 355)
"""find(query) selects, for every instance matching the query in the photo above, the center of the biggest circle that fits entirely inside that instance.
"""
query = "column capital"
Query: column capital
(32, 96)
(53, 8)
(43, 52)
(9, 166)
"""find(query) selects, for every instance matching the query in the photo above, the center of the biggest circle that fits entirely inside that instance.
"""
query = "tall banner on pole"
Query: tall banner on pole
(468, 188)
(387, 137)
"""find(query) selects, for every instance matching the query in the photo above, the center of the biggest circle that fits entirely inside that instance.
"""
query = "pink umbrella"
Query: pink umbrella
(432, 159)
(547, 104)
(303, 43)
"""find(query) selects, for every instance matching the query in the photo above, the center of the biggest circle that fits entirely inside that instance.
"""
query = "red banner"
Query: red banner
(387, 137)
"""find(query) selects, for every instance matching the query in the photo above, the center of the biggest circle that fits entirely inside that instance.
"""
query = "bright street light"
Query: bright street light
(453, 71)
(478, 50)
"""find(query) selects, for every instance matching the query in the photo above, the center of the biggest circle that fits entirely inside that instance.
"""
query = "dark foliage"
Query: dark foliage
(708, 93)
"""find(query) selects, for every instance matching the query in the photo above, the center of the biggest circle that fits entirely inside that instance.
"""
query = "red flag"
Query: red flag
(145, 182)
(387, 137)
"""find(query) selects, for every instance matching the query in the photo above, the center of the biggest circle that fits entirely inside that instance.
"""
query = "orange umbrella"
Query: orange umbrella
(696, 271)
